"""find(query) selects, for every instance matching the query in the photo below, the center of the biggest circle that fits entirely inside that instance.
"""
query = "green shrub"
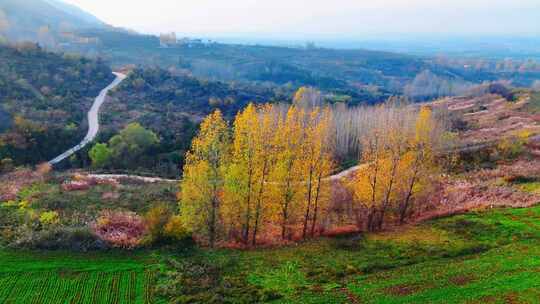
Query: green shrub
(156, 218)
(6, 165)
(175, 230)
(49, 218)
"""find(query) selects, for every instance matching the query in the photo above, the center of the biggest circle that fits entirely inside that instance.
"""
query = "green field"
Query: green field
(484, 257)
(62, 278)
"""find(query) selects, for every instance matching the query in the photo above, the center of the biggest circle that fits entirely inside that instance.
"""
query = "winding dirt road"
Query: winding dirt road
(93, 120)
(347, 173)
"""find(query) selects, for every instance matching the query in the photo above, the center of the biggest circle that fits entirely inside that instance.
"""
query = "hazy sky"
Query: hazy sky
(320, 18)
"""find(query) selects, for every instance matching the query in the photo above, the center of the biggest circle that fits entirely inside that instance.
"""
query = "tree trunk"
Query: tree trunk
(317, 191)
(371, 214)
(288, 198)
(306, 216)
(395, 163)
(212, 224)
(405, 206)
(259, 203)
(245, 235)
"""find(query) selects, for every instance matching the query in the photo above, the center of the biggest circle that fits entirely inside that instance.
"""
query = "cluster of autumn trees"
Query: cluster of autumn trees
(398, 164)
(268, 176)
(266, 173)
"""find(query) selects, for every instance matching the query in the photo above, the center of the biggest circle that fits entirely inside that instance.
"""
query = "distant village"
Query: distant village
(169, 40)
(72, 38)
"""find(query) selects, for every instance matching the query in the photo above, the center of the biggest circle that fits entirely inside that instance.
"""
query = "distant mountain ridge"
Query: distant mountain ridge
(35, 19)
(76, 12)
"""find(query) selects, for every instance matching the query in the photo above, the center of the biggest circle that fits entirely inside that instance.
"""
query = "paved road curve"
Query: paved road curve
(93, 120)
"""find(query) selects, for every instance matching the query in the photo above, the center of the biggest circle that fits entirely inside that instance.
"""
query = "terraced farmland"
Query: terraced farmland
(31, 278)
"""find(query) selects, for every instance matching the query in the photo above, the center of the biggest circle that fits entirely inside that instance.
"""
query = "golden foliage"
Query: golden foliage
(156, 218)
(270, 174)
(203, 179)
(49, 218)
(397, 166)
(175, 228)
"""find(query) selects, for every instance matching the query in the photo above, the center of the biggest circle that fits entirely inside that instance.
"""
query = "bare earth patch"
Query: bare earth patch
(513, 298)
(491, 117)
(353, 299)
(462, 280)
(402, 290)
(12, 183)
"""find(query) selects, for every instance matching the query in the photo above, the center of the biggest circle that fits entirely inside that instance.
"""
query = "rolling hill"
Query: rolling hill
(35, 19)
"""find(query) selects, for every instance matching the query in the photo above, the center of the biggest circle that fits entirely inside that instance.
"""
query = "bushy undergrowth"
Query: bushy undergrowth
(41, 214)
(202, 282)
(120, 229)
(163, 226)
(78, 239)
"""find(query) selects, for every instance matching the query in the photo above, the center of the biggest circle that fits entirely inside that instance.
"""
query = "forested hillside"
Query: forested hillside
(44, 98)
(365, 76)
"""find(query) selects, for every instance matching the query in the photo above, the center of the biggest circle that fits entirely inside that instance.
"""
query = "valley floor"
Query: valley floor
(490, 256)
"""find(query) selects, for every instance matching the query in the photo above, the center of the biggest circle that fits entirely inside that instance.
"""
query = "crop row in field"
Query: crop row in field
(75, 287)
(60, 277)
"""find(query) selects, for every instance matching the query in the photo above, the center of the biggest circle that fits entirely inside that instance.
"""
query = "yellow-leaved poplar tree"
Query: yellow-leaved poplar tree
(286, 174)
(241, 179)
(247, 185)
(418, 164)
(265, 160)
(378, 185)
(203, 180)
(316, 164)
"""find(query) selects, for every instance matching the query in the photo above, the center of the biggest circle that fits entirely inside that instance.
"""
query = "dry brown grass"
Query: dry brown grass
(491, 117)
(11, 183)
(485, 189)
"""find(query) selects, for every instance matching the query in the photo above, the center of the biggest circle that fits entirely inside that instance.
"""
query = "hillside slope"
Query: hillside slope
(44, 98)
(35, 19)
(76, 12)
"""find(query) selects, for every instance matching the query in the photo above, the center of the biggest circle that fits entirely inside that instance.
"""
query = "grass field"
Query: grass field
(484, 257)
